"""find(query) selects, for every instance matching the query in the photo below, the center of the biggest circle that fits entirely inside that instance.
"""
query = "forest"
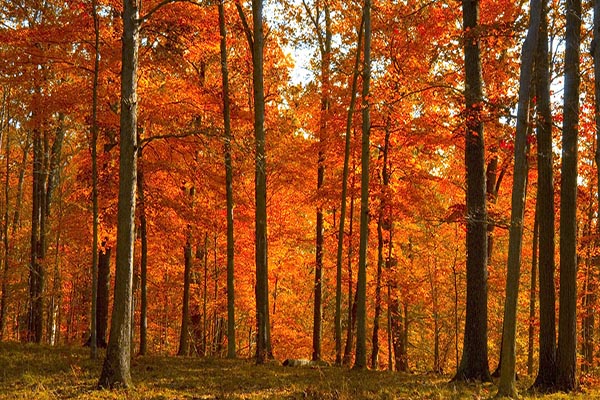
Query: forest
(383, 185)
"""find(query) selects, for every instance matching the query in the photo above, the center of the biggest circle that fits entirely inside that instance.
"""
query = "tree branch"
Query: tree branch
(247, 30)
(166, 2)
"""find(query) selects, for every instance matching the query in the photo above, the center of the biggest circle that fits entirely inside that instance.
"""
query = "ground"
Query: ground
(42, 372)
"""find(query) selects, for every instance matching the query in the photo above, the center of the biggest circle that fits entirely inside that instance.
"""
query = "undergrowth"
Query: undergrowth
(42, 372)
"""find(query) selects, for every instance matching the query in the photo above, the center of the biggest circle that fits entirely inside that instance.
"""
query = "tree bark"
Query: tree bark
(506, 386)
(360, 361)
(103, 295)
(262, 274)
(5, 240)
(116, 369)
(95, 219)
(143, 256)
(532, 293)
(474, 362)
(566, 358)
(184, 337)
(546, 376)
(341, 232)
(228, 185)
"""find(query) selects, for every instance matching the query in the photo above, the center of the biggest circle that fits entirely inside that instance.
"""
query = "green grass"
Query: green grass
(41, 372)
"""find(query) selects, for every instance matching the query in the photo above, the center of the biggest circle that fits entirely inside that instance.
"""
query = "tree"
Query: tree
(260, 189)
(361, 284)
(546, 376)
(566, 357)
(474, 361)
(116, 368)
(341, 231)
(506, 386)
(228, 184)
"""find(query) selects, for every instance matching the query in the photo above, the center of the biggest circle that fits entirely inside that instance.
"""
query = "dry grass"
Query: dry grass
(40, 372)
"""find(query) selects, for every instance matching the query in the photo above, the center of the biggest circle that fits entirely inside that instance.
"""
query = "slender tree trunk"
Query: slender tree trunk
(116, 369)
(532, 293)
(228, 185)
(380, 262)
(507, 385)
(94, 149)
(341, 233)
(566, 357)
(351, 298)
(262, 275)
(143, 256)
(474, 363)
(184, 337)
(103, 295)
(16, 221)
(6, 263)
(360, 361)
(546, 376)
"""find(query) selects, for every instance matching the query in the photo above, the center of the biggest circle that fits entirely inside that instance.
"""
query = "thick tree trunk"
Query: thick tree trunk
(116, 369)
(474, 362)
(566, 357)
(360, 361)
(546, 376)
(506, 386)
(228, 185)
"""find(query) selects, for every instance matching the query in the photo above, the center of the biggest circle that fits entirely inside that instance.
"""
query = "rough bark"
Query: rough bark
(360, 361)
(506, 386)
(474, 362)
(532, 293)
(546, 376)
(116, 369)
(566, 357)
(143, 256)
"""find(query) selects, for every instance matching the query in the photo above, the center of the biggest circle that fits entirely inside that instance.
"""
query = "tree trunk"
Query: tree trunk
(506, 386)
(546, 376)
(262, 275)
(566, 358)
(116, 369)
(143, 257)
(360, 361)
(184, 337)
(532, 293)
(228, 185)
(341, 233)
(95, 218)
(103, 295)
(474, 362)
(351, 299)
(380, 262)
(5, 241)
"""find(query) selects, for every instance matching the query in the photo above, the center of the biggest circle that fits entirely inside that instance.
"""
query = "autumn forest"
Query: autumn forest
(401, 185)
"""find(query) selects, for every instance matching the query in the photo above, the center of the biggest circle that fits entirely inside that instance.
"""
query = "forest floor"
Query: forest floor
(42, 372)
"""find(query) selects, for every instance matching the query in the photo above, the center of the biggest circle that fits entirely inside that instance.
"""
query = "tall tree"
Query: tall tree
(566, 358)
(324, 36)
(360, 361)
(260, 186)
(116, 369)
(546, 376)
(94, 149)
(341, 232)
(228, 184)
(474, 362)
(506, 386)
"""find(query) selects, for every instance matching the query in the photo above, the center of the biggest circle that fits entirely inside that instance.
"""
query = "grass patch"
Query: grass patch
(42, 372)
